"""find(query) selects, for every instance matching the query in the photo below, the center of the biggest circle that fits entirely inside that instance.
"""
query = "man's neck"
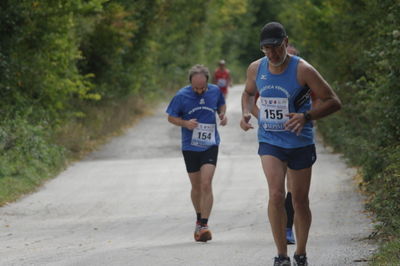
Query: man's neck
(281, 68)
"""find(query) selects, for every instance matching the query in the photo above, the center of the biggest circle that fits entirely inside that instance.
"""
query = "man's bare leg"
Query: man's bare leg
(275, 171)
(207, 199)
(195, 193)
(300, 185)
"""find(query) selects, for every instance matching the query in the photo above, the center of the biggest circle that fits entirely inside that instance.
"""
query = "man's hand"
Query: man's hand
(295, 123)
(244, 122)
(223, 119)
(190, 124)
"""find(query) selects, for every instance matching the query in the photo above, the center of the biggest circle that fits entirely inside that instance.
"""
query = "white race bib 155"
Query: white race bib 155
(273, 113)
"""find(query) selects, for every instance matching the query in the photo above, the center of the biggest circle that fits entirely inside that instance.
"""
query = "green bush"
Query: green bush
(385, 189)
(27, 157)
(40, 49)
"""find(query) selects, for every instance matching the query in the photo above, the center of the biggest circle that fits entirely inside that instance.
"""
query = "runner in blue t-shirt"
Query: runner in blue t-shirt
(194, 109)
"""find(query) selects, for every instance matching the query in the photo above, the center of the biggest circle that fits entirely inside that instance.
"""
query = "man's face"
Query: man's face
(276, 54)
(199, 83)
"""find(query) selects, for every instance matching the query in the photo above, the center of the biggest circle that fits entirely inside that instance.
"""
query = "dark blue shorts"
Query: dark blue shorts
(195, 159)
(297, 158)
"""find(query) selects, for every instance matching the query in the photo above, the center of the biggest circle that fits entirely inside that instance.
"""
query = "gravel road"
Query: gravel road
(128, 204)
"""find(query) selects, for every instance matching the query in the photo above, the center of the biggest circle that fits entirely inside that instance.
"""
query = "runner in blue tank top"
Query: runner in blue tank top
(288, 199)
(194, 109)
(285, 134)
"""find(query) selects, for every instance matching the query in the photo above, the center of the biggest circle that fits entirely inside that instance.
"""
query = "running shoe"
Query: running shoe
(300, 260)
(282, 261)
(290, 236)
(197, 230)
(204, 234)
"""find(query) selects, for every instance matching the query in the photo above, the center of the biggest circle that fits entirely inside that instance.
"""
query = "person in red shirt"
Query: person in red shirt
(222, 77)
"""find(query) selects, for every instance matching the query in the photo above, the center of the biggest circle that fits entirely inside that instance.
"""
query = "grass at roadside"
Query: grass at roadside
(83, 135)
(384, 194)
(379, 169)
(32, 154)
(388, 254)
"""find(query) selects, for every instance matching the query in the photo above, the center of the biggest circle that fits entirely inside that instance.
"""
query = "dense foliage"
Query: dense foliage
(61, 60)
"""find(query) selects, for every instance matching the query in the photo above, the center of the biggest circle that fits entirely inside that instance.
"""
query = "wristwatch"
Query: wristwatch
(307, 116)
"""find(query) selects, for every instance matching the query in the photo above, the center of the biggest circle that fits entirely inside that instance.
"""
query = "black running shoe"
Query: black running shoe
(282, 261)
(300, 260)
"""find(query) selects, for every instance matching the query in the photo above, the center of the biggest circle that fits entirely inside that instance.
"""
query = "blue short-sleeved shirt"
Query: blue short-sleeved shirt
(189, 105)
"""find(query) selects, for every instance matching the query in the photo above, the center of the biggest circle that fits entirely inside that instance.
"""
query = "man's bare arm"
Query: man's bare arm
(221, 114)
(329, 101)
(248, 96)
(178, 121)
(327, 98)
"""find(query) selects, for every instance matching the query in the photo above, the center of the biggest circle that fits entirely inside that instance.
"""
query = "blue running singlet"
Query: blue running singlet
(279, 94)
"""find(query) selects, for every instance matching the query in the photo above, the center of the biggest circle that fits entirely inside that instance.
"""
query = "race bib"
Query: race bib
(221, 82)
(273, 113)
(204, 135)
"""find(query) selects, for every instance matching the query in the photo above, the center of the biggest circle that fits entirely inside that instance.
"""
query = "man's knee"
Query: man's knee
(206, 188)
(300, 203)
(277, 197)
(196, 189)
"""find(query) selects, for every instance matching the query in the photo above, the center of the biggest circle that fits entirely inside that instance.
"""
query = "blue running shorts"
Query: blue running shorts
(297, 158)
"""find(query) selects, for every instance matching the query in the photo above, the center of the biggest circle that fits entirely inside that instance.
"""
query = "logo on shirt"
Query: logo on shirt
(202, 101)
(264, 77)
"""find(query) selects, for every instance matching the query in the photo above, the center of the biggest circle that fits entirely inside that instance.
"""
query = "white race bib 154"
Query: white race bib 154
(203, 135)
